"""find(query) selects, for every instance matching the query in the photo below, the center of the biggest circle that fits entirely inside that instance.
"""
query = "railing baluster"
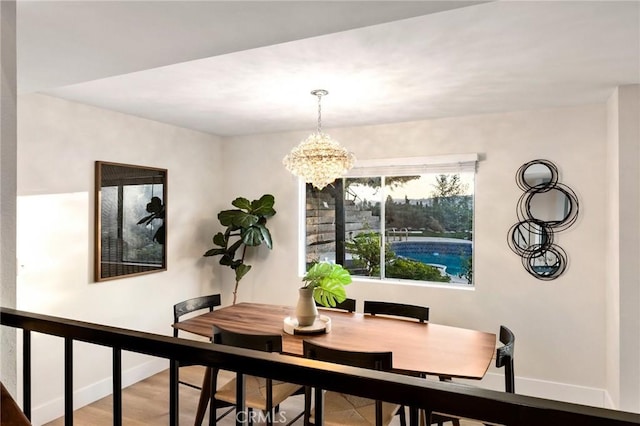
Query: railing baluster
(174, 409)
(26, 372)
(117, 386)
(414, 416)
(241, 409)
(319, 407)
(212, 383)
(68, 381)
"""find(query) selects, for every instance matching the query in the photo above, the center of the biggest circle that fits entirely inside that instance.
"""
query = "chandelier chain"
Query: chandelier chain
(319, 114)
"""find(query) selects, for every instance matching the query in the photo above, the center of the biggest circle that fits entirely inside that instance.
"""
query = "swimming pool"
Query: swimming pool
(451, 254)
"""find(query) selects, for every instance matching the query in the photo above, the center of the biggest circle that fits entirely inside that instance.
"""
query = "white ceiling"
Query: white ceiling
(239, 67)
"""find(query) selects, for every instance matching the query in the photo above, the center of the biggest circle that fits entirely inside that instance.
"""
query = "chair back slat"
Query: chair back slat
(257, 342)
(195, 304)
(373, 360)
(192, 305)
(421, 313)
(348, 305)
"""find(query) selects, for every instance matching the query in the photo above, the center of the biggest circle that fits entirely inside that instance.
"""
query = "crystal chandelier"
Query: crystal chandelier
(318, 159)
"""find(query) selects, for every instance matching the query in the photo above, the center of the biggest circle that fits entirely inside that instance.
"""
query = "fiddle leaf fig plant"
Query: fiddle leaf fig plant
(245, 227)
(327, 281)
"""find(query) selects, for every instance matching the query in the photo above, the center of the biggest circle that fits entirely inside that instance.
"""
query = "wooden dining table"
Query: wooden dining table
(427, 348)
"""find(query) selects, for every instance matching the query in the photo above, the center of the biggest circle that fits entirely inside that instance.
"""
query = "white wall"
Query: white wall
(59, 142)
(559, 324)
(623, 289)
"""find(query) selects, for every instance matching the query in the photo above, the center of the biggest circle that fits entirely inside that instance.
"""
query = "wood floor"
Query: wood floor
(147, 403)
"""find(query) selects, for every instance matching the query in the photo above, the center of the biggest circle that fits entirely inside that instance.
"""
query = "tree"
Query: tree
(375, 182)
(451, 208)
(366, 250)
(467, 269)
(448, 186)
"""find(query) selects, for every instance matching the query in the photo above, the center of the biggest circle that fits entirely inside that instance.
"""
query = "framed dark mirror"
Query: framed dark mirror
(130, 220)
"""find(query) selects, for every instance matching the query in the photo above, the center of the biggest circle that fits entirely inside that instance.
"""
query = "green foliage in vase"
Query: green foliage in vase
(245, 227)
(327, 281)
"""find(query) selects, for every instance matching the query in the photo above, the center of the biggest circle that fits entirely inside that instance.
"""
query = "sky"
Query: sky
(417, 189)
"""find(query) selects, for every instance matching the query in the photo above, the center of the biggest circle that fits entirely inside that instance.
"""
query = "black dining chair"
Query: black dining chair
(189, 306)
(260, 393)
(181, 309)
(347, 304)
(504, 358)
(421, 313)
(417, 312)
(341, 409)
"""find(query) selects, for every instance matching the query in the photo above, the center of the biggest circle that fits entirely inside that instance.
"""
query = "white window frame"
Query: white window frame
(402, 166)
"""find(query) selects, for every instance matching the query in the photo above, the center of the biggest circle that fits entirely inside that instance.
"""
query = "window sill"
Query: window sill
(410, 283)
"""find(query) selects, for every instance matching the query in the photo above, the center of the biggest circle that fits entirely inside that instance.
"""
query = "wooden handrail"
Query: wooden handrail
(456, 399)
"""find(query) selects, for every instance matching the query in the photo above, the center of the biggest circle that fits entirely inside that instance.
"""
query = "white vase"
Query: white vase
(306, 311)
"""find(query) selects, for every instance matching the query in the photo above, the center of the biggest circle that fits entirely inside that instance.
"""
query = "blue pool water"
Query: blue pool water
(450, 254)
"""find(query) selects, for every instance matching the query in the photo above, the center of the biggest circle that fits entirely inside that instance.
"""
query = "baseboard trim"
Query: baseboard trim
(608, 401)
(54, 409)
(565, 392)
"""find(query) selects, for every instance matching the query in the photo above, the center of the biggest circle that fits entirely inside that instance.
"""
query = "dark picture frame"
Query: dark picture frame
(130, 220)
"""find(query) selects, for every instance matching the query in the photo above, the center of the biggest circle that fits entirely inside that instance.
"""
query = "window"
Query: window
(412, 220)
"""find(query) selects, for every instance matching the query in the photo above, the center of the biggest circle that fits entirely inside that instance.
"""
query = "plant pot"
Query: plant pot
(306, 311)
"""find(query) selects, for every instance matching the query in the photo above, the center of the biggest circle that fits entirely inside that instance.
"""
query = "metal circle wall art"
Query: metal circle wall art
(545, 208)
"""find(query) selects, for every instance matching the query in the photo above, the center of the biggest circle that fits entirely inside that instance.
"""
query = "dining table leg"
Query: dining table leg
(205, 394)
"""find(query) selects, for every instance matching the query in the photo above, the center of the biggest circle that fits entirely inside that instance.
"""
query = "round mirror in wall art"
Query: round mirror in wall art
(557, 207)
(537, 174)
(528, 236)
(547, 264)
(545, 207)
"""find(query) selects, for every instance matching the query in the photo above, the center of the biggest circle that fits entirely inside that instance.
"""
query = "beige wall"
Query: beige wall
(59, 143)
